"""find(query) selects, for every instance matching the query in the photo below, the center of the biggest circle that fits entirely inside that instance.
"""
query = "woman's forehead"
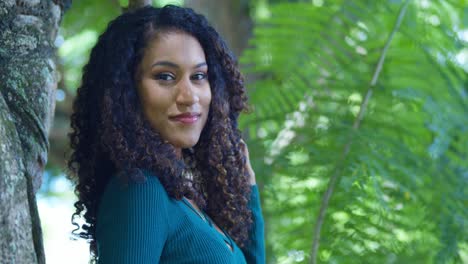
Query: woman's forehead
(179, 48)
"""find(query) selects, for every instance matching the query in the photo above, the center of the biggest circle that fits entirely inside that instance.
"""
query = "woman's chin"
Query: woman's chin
(185, 143)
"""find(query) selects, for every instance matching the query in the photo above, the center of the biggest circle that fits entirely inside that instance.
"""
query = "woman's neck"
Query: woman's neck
(178, 152)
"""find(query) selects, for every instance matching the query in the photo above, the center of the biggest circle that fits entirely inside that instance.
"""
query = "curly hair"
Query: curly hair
(110, 133)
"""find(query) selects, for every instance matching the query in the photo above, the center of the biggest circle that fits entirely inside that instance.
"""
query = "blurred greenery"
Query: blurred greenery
(397, 147)
(401, 190)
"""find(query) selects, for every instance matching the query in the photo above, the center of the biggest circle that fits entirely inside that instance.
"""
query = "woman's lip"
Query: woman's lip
(187, 114)
(186, 118)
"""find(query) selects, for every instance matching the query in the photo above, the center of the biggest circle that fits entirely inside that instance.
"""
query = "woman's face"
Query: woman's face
(173, 88)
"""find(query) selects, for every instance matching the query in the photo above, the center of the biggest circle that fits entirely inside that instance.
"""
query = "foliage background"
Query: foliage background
(395, 141)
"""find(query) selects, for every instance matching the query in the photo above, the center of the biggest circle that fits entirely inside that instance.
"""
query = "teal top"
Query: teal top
(140, 223)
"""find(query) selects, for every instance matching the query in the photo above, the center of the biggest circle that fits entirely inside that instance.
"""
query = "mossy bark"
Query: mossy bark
(28, 79)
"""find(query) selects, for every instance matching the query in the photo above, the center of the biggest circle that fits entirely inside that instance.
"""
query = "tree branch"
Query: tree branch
(337, 172)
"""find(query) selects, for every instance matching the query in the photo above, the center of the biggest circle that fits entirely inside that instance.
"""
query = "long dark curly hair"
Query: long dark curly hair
(110, 133)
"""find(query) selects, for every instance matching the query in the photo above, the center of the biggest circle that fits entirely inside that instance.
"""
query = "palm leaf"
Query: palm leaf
(399, 189)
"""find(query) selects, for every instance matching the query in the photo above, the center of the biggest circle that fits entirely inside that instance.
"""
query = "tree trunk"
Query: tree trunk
(28, 80)
(230, 18)
(134, 4)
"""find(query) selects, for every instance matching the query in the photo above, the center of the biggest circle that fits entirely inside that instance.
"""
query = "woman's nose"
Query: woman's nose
(186, 94)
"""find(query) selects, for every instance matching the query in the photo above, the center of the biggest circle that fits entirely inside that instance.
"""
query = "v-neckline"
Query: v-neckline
(228, 241)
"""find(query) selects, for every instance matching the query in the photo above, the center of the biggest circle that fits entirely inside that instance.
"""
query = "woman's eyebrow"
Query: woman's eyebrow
(165, 63)
(173, 65)
(199, 65)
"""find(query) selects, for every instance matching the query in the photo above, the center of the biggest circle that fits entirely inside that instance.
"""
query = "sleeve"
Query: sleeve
(132, 224)
(255, 251)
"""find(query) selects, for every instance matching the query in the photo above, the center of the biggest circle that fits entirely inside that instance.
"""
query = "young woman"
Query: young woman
(161, 172)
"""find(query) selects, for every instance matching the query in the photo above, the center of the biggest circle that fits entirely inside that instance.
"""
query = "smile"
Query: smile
(186, 118)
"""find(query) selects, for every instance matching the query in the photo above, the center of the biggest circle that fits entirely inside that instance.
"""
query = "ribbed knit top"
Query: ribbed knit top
(139, 223)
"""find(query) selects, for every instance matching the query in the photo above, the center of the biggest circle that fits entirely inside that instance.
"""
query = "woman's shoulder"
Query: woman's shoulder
(134, 186)
(136, 178)
(135, 206)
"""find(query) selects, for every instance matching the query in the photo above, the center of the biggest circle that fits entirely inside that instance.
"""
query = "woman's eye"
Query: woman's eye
(198, 76)
(165, 77)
